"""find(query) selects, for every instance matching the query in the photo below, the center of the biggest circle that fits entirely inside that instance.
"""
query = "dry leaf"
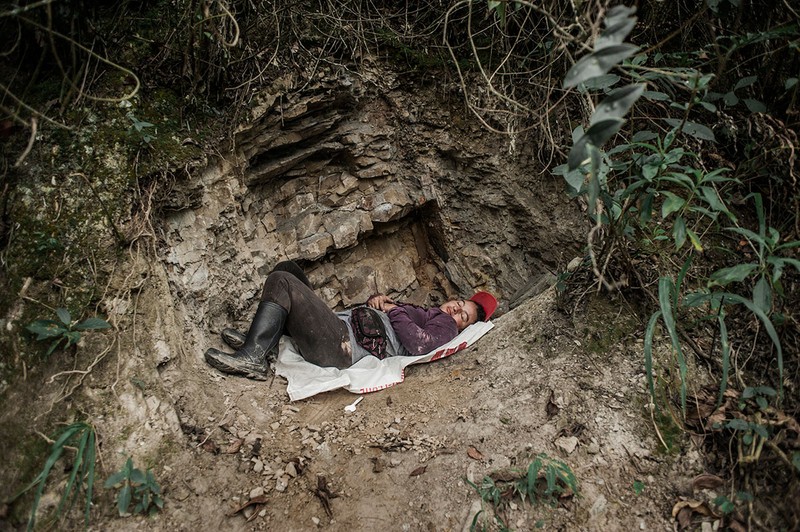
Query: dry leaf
(699, 507)
(418, 471)
(474, 453)
(706, 481)
(210, 446)
(234, 447)
(684, 518)
(261, 499)
(685, 509)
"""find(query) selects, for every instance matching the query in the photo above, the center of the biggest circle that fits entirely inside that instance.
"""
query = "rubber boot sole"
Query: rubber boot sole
(236, 366)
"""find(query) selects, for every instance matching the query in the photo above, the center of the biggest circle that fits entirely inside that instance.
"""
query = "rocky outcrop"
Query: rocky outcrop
(370, 193)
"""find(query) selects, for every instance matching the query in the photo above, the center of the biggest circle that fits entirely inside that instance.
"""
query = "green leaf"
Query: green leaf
(716, 176)
(766, 391)
(693, 129)
(619, 22)
(749, 235)
(600, 82)
(730, 99)
(617, 103)
(648, 354)
(762, 295)
(712, 198)
(643, 136)
(64, 316)
(550, 478)
(745, 82)
(733, 274)
(597, 135)
(755, 106)
(115, 479)
(92, 323)
(655, 96)
(137, 477)
(679, 233)
(500, 7)
(762, 403)
(124, 499)
(673, 203)
(598, 63)
(90, 467)
(665, 297)
(575, 179)
(44, 329)
(796, 460)
(54, 346)
(533, 475)
(738, 424)
(791, 82)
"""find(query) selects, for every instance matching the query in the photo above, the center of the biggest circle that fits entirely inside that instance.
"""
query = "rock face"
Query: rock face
(387, 192)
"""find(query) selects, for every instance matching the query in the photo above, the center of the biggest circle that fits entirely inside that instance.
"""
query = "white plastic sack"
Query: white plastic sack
(368, 374)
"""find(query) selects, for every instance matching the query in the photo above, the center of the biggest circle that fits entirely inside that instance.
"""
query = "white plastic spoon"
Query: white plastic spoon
(352, 407)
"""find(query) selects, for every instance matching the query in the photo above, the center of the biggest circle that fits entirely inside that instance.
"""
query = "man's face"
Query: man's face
(464, 312)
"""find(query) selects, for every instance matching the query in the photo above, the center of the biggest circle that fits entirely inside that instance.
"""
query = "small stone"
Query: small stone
(262, 513)
(256, 492)
(281, 484)
(258, 465)
(567, 444)
(276, 425)
(599, 506)
(593, 448)
(291, 470)
(315, 520)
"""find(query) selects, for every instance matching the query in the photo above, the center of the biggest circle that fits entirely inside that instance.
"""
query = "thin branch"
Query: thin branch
(34, 124)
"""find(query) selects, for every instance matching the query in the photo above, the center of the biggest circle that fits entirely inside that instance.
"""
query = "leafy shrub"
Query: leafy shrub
(64, 330)
(544, 481)
(136, 487)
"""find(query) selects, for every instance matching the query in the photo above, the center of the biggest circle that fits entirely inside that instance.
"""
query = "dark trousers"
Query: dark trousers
(320, 336)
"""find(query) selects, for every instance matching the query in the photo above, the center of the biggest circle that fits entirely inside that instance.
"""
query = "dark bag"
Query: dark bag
(369, 331)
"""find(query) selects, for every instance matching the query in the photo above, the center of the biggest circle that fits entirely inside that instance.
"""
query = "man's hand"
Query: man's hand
(381, 302)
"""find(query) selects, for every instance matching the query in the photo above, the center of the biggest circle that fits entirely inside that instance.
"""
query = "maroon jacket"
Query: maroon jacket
(421, 330)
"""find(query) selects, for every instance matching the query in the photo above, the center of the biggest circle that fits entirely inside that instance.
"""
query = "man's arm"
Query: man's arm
(418, 340)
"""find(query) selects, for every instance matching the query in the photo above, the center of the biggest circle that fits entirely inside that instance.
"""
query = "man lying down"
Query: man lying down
(382, 328)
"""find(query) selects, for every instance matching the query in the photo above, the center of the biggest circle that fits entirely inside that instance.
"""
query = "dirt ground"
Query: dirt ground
(534, 384)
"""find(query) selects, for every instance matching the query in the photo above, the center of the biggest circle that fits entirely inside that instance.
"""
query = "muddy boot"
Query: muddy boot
(251, 360)
(233, 338)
